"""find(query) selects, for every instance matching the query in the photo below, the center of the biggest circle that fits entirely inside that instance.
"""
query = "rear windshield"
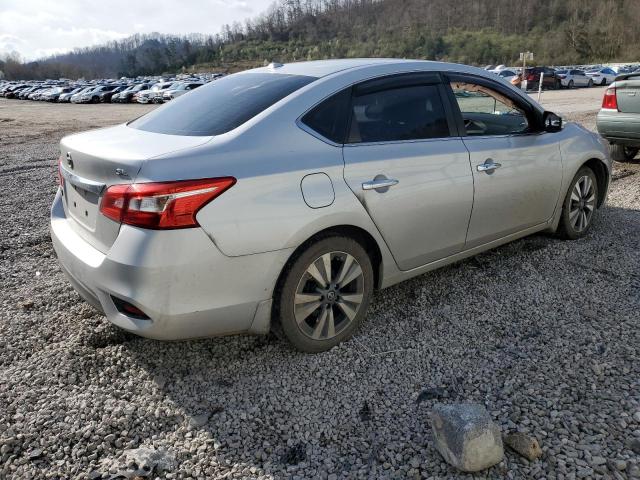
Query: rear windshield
(222, 105)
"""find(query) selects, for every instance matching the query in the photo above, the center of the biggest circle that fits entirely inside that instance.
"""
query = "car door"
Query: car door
(408, 167)
(516, 167)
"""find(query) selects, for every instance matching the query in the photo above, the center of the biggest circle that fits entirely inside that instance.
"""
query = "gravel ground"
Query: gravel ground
(543, 332)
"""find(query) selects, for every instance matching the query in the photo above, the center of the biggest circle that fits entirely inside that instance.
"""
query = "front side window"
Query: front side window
(221, 106)
(488, 112)
(405, 113)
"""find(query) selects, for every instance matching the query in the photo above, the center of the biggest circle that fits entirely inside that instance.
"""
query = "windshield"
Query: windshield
(221, 106)
(562, 72)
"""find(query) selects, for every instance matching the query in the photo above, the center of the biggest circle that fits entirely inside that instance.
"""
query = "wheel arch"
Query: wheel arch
(601, 172)
(358, 234)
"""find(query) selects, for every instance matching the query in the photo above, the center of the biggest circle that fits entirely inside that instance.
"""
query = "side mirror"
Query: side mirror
(552, 122)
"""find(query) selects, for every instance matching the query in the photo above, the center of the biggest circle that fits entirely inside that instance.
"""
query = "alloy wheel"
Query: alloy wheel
(328, 295)
(582, 203)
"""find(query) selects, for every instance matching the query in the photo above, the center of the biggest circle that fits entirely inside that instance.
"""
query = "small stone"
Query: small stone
(598, 461)
(620, 465)
(636, 417)
(634, 445)
(33, 454)
(524, 445)
(27, 305)
(466, 436)
(199, 420)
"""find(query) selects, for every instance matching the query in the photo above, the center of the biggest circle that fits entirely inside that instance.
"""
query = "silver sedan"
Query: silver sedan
(281, 198)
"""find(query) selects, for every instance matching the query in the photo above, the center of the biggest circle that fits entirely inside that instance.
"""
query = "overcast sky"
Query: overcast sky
(37, 28)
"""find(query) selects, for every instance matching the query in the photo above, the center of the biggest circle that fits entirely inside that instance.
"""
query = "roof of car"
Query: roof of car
(321, 68)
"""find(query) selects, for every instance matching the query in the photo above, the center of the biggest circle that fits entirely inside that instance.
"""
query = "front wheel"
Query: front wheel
(590, 84)
(570, 83)
(603, 82)
(579, 205)
(325, 294)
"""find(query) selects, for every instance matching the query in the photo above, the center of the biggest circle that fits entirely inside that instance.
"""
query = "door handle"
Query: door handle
(488, 166)
(379, 183)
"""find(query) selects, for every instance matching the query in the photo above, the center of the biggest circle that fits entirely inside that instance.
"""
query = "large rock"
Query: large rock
(466, 436)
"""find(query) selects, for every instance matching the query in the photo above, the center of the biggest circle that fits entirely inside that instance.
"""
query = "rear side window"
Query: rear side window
(405, 113)
(221, 106)
(330, 117)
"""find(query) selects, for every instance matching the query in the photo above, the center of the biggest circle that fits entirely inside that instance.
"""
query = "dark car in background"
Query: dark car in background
(14, 91)
(126, 95)
(550, 80)
(106, 95)
(618, 120)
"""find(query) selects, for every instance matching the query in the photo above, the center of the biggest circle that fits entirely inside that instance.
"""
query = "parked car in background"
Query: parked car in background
(54, 94)
(550, 80)
(391, 169)
(14, 91)
(129, 93)
(178, 89)
(148, 96)
(602, 76)
(105, 95)
(24, 94)
(93, 95)
(66, 97)
(75, 98)
(574, 78)
(618, 120)
(507, 74)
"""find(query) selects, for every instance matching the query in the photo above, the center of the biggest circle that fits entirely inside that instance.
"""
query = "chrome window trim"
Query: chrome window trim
(396, 142)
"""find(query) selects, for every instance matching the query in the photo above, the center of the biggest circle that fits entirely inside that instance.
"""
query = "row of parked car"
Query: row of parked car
(563, 77)
(147, 90)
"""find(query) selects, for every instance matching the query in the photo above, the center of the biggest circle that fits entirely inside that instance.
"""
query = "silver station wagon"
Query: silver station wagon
(282, 197)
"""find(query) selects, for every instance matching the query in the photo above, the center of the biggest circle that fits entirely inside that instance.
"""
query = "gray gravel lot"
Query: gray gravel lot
(543, 332)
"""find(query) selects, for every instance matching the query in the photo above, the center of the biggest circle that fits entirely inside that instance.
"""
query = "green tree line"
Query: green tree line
(477, 32)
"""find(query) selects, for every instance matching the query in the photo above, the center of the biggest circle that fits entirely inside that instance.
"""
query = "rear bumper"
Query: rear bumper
(178, 278)
(618, 127)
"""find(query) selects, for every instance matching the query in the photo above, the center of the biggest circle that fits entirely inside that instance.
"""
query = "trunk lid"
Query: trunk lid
(628, 95)
(92, 161)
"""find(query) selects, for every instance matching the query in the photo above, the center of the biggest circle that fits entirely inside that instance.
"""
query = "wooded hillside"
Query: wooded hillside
(468, 31)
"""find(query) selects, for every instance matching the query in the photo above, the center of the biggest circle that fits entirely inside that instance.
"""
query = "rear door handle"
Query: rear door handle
(488, 166)
(379, 183)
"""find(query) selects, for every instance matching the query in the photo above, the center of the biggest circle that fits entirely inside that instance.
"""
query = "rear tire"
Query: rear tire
(580, 205)
(620, 153)
(317, 309)
(570, 84)
(590, 84)
(603, 83)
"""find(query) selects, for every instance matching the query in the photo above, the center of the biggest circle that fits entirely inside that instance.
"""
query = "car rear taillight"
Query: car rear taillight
(165, 205)
(610, 100)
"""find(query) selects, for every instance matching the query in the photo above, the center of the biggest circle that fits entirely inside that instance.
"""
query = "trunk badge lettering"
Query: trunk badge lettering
(121, 172)
(69, 161)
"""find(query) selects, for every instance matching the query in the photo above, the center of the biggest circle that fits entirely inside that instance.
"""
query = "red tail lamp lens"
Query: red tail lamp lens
(610, 100)
(165, 205)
